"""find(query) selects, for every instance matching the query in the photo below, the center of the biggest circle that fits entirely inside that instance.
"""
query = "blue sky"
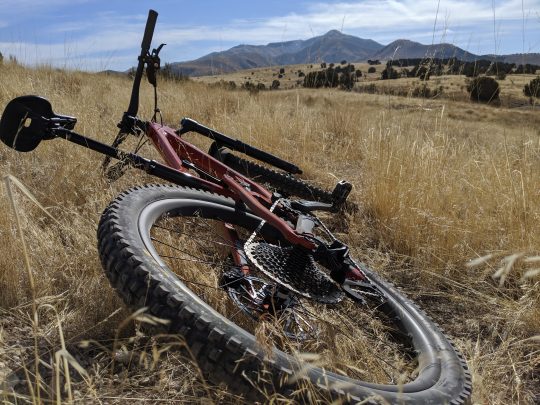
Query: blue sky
(98, 35)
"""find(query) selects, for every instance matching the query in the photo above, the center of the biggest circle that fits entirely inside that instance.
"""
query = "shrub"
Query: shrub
(346, 81)
(251, 87)
(323, 65)
(423, 91)
(533, 88)
(282, 70)
(280, 76)
(371, 70)
(230, 85)
(358, 73)
(484, 89)
(423, 73)
(368, 88)
(301, 74)
(343, 62)
(275, 85)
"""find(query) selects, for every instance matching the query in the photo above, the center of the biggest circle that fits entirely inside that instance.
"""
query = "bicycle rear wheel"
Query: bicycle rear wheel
(159, 249)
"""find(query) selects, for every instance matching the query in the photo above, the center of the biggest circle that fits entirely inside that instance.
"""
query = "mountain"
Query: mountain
(330, 47)
(404, 49)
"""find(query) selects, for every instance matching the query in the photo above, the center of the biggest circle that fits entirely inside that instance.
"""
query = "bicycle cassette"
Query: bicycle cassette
(294, 269)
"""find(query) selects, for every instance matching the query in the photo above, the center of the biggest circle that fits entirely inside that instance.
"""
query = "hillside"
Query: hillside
(403, 49)
(332, 46)
(448, 211)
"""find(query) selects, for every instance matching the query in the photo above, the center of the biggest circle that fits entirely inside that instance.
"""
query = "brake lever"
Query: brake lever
(153, 64)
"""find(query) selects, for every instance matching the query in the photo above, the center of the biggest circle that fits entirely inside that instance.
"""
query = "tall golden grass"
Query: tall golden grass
(440, 185)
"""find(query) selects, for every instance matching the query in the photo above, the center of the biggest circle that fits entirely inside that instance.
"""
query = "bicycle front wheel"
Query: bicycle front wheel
(163, 247)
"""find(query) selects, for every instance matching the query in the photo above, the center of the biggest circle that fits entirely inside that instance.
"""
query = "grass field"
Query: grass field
(449, 196)
(454, 86)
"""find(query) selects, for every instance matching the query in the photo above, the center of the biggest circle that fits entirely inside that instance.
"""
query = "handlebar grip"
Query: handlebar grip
(145, 46)
(149, 30)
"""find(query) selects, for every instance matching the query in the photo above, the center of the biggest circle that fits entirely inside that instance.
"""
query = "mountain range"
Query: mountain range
(333, 46)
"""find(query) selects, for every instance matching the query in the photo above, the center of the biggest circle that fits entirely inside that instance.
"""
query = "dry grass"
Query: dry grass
(440, 182)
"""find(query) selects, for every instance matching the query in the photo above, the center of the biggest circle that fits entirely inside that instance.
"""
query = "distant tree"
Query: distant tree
(261, 86)
(323, 65)
(389, 73)
(371, 70)
(280, 76)
(358, 73)
(531, 69)
(533, 88)
(168, 72)
(343, 62)
(484, 89)
(331, 65)
(275, 85)
(374, 62)
(282, 70)
(1, 58)
(470, 69)
(301, 74)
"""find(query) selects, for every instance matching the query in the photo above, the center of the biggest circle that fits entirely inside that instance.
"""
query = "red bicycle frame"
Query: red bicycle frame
(175, 150)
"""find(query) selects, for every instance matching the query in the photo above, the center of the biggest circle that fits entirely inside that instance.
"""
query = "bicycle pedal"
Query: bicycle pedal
(341, 192)
(116, 171)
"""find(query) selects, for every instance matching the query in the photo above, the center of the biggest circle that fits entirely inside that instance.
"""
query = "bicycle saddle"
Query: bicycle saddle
(27, 120)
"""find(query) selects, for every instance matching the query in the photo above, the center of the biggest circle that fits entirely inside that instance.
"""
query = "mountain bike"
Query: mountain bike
(232, 254)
